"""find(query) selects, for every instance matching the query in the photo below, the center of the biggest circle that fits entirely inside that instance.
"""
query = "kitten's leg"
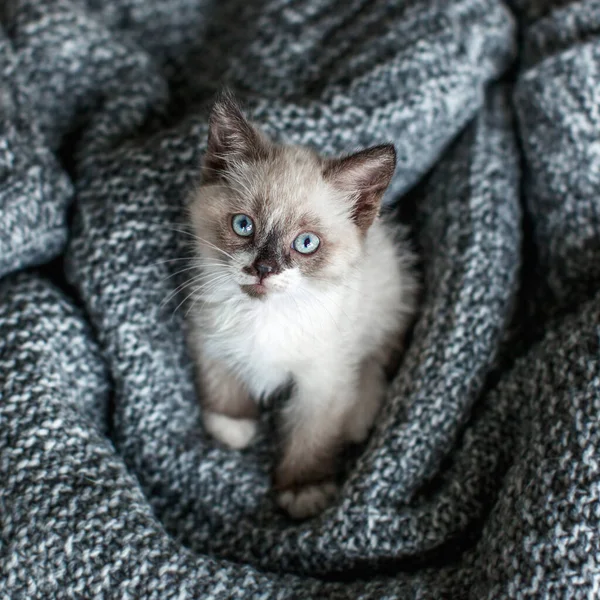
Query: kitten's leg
(228, 412)
(314, 429)
(362, 415)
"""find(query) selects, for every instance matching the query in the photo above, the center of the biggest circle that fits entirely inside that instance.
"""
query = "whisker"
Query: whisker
(186, 284)
(198, 264)
(170, 260)
(178, 289)
(183, 301)
(201, 268)
(203, 290)
(211, 245)
(192, 235)
(179, 272)
(197, 289)
(197, 238)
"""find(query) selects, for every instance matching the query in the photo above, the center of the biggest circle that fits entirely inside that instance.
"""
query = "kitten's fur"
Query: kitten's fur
(328, 322)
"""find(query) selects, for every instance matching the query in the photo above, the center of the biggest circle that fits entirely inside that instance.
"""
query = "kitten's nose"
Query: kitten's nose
(263, 269)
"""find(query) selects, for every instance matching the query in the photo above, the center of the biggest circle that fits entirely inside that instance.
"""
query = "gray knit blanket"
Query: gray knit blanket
(482, 477)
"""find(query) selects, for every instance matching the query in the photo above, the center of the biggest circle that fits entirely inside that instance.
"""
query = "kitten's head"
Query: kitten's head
(271, 219)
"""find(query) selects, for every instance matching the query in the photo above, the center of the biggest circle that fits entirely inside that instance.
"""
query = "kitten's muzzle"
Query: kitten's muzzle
(262, 269)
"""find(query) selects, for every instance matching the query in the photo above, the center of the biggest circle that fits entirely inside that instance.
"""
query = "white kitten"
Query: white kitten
(301, 282)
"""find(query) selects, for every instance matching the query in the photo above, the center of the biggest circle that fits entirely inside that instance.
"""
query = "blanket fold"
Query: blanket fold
(481, 477)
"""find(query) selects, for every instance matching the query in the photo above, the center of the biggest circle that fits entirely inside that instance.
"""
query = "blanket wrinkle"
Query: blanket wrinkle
(481, 478)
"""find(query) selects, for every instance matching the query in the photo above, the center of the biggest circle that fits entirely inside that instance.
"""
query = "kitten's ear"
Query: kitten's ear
(364, 176)
(231, 137)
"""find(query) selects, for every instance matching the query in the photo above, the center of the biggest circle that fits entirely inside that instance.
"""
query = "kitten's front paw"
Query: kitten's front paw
(307, 500)
(235, 433)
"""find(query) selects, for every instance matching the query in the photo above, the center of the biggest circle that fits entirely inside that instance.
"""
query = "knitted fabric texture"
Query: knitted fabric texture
(482, 476)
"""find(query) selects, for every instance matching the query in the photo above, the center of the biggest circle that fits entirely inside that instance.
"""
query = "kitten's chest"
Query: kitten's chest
(266, 345)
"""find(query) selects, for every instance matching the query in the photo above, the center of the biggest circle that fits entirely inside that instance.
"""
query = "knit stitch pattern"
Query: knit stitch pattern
(481, 479)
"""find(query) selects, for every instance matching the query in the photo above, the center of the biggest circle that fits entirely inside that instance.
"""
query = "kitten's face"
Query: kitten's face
(276, 225)
(273, 220)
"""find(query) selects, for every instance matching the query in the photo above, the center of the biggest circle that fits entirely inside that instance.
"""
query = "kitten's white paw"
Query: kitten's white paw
(235, 433)
(307, 501)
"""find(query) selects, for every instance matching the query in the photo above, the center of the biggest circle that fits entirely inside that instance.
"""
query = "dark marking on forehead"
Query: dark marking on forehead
(273, 247)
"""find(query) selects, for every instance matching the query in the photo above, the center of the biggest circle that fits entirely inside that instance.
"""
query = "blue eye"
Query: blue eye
(306, 243)
(242, 225)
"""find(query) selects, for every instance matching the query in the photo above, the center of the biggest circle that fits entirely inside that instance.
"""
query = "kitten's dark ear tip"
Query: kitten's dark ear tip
(225, 104)
(231, 136)
(384, 156)
(386, 152)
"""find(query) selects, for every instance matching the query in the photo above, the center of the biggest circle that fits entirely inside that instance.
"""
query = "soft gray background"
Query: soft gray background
(482, 478)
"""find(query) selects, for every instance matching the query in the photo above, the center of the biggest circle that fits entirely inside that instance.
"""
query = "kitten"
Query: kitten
(301, 282)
